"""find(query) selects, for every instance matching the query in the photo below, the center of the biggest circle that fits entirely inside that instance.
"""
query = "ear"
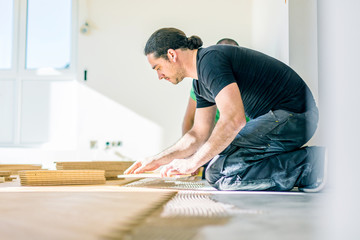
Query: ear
(172, 55)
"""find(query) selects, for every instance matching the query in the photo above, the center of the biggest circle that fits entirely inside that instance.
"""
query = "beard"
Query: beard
(179, 76)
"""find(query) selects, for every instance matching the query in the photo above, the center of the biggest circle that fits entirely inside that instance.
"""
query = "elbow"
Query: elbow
(198, 136)
(187, 125)
(237, 123)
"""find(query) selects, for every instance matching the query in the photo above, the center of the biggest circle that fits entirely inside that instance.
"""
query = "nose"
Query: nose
(160, 75)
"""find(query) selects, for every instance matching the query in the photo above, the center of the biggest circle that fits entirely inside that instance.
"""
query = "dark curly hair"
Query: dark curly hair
(227, 41)
(170, 38)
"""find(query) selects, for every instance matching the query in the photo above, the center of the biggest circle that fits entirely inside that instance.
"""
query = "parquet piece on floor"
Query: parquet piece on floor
(9, 179)
(5, 173)
(112, 168)
(152, 175)
(77, 215)
(157, 175)
(61, 177)
(6, 176)
(15, 168)
(179, 184)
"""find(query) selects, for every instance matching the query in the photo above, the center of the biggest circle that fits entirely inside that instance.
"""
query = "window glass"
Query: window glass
(6, 33)
(48, 43)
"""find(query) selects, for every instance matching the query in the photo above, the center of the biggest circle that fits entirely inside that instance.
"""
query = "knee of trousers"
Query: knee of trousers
(213, 170)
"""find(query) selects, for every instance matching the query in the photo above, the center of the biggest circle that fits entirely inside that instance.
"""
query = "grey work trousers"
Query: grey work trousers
(267, 154)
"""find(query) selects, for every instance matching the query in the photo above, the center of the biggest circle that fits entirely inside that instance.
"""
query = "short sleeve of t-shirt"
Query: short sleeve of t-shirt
(200, 101)
(192, 94)
(214, 73)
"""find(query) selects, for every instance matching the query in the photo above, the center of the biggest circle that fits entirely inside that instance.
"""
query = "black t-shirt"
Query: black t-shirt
(265, 83)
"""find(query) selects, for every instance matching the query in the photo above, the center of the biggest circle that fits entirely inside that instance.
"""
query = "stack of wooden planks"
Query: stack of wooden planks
(112, 168)
(5, 176)
(61, 177)
(14, 168)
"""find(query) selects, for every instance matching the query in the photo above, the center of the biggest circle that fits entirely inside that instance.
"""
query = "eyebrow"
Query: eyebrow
(154, 66)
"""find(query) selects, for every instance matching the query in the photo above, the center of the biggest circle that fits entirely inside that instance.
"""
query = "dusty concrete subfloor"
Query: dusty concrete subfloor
(249, 215)
(275, 216)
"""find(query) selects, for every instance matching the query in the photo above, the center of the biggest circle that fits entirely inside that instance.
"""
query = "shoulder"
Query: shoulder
(214, 60)
(210, 52)
(217, 55)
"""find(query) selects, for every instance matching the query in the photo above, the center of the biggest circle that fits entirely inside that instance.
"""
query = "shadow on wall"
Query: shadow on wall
(104, 120)
(80, 116)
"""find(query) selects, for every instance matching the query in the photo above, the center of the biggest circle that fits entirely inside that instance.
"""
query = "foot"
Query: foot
(321, 178)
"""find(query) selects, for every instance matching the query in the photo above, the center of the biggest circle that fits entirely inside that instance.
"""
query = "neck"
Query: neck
(189, 63)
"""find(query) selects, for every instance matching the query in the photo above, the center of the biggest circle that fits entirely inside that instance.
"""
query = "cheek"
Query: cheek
(173, 70)
(166, 72)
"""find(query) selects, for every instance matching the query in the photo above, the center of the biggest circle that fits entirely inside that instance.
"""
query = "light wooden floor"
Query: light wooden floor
(75, 212)
(155, 209)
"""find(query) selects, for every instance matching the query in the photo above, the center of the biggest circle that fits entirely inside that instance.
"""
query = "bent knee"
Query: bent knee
(234, 183)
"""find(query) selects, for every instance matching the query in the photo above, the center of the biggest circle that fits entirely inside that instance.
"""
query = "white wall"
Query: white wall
(303, 54)
(270, 28)
(303, 41)
(113, 51)
(103, 120)
(339, 84)
(79, 115)
(122, 98)
(288, 32)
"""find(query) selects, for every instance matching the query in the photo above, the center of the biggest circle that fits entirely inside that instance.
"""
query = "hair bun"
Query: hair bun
(194, 42)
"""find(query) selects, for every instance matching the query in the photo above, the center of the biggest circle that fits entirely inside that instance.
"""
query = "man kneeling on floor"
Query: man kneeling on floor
(264, 154)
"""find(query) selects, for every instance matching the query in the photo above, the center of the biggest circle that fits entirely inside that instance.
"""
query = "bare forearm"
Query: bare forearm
(223, 134)
(188, 121)
(184, 148)
(186, 126)
(232, 120)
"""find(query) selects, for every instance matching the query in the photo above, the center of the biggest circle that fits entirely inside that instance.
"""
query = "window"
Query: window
(36, 53)
(6, 33)
(48, 40)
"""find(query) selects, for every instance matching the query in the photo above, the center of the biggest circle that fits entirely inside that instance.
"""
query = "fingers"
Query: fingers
(164, 170)
(176, 167)
(141, 166)
(140, 169)
(132, 168)
(196, 172)
(172, 172)
(168, 171)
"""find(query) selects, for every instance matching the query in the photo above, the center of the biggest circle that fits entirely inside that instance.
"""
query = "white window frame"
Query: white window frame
(19, 74)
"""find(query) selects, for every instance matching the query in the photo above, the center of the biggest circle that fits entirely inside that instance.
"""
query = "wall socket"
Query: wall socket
(94, 144)
(110, 144)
